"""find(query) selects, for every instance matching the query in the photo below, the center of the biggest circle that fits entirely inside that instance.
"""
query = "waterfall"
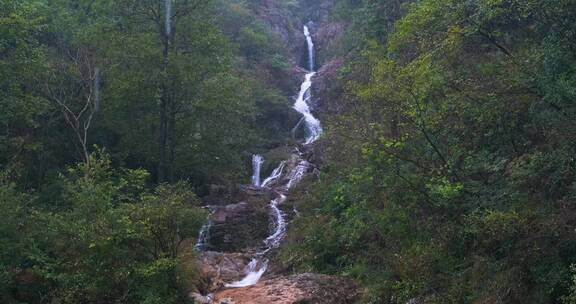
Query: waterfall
(259, 264)
(310, 44)
(257, 161)
(276, 174)
(279, 221)
(168, 10)
(203, 242)
(313, 127)
(312, 124)
(254, 273)
(297, 174)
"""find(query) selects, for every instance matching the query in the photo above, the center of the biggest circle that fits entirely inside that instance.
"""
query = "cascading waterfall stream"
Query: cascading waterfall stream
(255, 272)
(312, 124)
(259, 264)
(310, 43)
(276, 174)
(257, 161)
(273, 241)
(297, 174)
(203, 242)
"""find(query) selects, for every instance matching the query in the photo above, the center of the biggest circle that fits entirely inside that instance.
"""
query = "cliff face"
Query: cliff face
(287, 22)
(284, 22)
(316, 10)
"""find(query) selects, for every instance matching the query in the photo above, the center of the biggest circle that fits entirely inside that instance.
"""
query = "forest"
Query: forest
(288, 151)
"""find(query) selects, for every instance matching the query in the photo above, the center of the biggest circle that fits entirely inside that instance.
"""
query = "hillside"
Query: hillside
(288, 151)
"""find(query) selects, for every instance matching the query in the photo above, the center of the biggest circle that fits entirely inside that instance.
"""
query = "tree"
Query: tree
(22, 64)
(74, 87)
(460, 120)
(114, 240)
(167, 18)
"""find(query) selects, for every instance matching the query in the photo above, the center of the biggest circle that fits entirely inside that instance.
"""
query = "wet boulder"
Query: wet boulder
(302, 288)
(217, 268)
(239, 227)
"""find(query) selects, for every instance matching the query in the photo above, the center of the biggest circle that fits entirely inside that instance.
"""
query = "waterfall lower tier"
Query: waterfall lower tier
(259, 263)
(254, 272)
(204, 237)
(203, 242)
(297, 174)
(279, 221)
(276, 174)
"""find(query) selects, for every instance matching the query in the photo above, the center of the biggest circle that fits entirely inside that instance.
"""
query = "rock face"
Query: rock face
(281, 21)
(328, 37)
(302, 288)
(317, 10)
(219, 268)
(325, 78)
(237, 227)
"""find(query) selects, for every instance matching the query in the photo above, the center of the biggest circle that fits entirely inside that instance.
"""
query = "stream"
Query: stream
(283, 178)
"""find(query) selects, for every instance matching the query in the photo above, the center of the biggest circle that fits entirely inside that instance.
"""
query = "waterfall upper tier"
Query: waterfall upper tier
(310, 45)
(312, 124)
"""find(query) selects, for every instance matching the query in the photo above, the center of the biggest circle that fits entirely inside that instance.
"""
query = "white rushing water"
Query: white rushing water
(255, 272)
(259, 264)
(276, 174)
(313, 126)
(297, 174)
(279, 222)
(168, 17)
(257, 161)
(203, 242)
(310, 44)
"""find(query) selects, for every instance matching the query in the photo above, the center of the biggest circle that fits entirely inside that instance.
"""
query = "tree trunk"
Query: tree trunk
(172, 141)
(163, 136)
(164, 107)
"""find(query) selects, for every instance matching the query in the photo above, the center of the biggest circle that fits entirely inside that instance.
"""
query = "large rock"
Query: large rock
(282, 22)
(327, 38)
(218, 268)
(322, 88)
(240, 227)
(302, 288)
(317, 10)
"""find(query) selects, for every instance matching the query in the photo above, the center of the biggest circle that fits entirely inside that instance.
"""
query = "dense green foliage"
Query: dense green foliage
(58, 55)
(448, 162)
(111, 123)
(106, 239)
(450, 173)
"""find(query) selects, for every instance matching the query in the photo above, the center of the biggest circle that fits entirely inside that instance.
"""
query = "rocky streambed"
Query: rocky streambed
(239, 233)
(238, 244)
(300, 288)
